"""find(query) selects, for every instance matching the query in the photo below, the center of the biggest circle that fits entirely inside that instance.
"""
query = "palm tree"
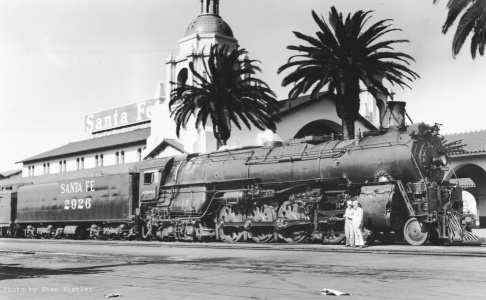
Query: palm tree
(339, 59)
(473, 20)
(229, 94)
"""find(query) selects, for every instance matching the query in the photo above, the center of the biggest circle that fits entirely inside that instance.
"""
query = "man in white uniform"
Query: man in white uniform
(358, 225)
(348, 224)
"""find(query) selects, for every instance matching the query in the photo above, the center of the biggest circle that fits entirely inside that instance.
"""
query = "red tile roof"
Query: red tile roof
(100, 143)
(466, 143)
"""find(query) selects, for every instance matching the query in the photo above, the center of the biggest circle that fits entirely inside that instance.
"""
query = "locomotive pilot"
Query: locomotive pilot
(357, 221)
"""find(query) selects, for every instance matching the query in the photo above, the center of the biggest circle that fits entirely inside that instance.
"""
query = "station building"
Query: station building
(468, 167)
(145, 129)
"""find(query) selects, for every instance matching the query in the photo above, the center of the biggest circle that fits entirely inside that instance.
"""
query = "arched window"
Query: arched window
(44, 169)
(77, 163)
(182, 78)
(96, 161)
(82, 163)
(139, 154)
(60, 166)
(64, 166)
(30, 171)
(33, 171)
(48, 168)
(117, 157)
(122, 157)
(101, 160)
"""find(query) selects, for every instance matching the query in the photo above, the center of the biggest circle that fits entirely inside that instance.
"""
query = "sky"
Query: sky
(61, 60)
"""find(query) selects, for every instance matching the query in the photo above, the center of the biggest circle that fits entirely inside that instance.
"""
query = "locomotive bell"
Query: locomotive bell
(394, 116)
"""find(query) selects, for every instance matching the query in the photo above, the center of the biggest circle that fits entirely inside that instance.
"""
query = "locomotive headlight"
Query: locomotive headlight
(440, 160)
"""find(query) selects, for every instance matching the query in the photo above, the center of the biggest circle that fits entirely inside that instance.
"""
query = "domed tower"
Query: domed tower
(206, 30)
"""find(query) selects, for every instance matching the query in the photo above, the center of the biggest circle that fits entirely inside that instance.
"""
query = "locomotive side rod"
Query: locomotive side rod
(279, 223)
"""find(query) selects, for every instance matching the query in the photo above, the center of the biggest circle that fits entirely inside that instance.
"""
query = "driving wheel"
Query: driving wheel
(334, 235)
(228, 233)
(262, 234)
(296, 233)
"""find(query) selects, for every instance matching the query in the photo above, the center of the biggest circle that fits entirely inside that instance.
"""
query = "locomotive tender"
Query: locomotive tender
(292, 192)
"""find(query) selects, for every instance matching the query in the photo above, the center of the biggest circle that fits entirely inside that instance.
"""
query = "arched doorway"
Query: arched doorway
(470, 205)
(478, 176)
(318, 127)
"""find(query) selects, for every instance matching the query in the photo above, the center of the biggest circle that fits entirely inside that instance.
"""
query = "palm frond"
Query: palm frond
(345, 53)
(228, 93)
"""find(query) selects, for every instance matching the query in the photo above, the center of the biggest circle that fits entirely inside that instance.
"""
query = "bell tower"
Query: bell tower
(206, 30)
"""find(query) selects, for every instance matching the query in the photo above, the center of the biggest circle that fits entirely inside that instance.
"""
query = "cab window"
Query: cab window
(148, 178)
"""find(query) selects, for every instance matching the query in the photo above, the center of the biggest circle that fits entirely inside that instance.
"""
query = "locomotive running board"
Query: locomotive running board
(405, 197)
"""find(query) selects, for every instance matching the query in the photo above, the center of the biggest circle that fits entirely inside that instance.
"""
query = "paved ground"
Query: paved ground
(37, 269)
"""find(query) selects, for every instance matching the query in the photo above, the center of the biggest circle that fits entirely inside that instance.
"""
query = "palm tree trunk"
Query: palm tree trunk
(220, 143)
(350, 105)
(348, 129)
(221, 132)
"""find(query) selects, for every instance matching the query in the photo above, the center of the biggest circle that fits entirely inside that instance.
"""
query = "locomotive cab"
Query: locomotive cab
(149, 185)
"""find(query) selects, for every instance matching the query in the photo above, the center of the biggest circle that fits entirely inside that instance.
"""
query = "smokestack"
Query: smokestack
(394, 116)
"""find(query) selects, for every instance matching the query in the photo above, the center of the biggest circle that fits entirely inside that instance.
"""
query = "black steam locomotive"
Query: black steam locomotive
(289, 191)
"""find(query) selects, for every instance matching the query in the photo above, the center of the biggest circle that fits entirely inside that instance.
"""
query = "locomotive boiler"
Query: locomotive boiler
(290, 191)
(295, 191)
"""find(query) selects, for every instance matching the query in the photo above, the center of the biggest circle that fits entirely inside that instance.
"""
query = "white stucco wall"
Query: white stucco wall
(320, 110)
(109, 159)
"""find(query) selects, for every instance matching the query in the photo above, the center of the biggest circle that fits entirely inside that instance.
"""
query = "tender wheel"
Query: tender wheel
(292, 234)
(123, 236)
(262, 234)
(228, 233)
(416, 233)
